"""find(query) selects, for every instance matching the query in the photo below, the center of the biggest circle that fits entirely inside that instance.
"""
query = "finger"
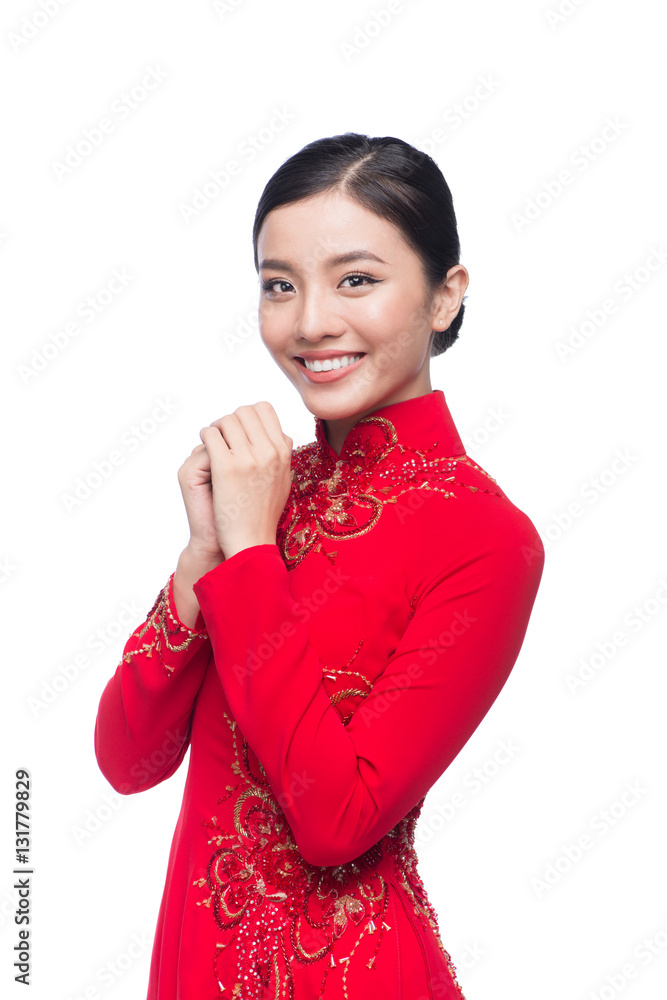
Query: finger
(200, 458)
(217, 449)
(229, 431)
(271, 426)
(246, 422)
(252, 428)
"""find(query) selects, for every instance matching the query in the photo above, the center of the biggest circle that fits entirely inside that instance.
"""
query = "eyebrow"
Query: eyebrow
(343, 258)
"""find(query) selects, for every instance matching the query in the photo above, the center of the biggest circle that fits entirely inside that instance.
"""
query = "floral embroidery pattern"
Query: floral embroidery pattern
(341, 673)
(284, 910)
(405, 858)
(165, 629)
(276, 909)
(335, 500)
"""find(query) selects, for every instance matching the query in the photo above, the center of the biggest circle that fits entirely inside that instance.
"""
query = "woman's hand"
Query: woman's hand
(194, 478)
(249, 460)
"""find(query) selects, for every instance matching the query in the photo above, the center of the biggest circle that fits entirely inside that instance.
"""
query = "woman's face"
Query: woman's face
(338, 280)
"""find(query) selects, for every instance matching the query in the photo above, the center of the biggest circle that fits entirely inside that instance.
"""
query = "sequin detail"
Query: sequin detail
(284, 911)
(346, 675)
(337, 499)
(408, 877)
(165, 629)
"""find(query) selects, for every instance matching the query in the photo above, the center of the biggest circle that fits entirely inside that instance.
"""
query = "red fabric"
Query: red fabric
(331, 680)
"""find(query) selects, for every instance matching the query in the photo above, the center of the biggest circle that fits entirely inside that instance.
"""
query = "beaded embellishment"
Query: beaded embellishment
(276, 909)
(341, 499)
(285, 911)
(165, 629)
(405, 858)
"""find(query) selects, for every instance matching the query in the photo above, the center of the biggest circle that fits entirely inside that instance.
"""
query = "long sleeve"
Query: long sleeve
(143, 721)
(343, 787)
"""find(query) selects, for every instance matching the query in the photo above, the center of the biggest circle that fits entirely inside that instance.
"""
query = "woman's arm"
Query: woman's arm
(191, 565)
(475, 581)
(142, 729)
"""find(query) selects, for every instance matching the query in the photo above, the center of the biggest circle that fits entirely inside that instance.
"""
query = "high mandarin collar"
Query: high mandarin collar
(422, 421)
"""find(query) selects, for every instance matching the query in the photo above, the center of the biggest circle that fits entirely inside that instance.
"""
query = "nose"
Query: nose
(317, 317)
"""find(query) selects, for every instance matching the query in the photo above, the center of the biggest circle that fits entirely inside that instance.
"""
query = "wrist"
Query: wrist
(232, 548)
(197, 556)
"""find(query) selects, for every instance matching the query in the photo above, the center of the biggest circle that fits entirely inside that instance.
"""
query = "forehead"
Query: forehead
(326, 224)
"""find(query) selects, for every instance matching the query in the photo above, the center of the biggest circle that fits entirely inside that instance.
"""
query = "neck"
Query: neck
(337, 430)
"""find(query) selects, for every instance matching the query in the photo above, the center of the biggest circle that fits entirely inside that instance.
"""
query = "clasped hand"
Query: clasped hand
(236, 483)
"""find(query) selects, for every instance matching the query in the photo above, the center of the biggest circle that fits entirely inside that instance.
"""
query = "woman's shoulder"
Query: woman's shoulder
(466, 513)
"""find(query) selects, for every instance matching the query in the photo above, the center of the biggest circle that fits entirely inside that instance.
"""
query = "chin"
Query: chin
(340, 409)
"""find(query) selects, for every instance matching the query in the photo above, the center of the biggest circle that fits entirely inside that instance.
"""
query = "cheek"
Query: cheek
(393, 315)
(395, 323)
(406, 334)
(273, 331)
(374, 319)
(412, 315)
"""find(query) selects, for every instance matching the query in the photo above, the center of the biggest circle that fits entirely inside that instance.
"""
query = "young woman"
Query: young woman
(342, 619)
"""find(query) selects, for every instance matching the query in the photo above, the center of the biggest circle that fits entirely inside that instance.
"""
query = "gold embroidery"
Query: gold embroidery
(285, 911)
(408, 876)
(279, 910)
(334, 673)
(464, 460)
(335, 500)
(261, 885)
(159, 619)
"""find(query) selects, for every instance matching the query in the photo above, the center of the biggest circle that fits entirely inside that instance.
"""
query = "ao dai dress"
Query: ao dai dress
(329, 681)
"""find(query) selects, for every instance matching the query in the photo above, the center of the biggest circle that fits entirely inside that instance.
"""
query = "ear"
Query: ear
(447, 299)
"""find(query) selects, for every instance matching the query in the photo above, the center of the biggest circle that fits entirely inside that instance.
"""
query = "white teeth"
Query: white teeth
(332, 363)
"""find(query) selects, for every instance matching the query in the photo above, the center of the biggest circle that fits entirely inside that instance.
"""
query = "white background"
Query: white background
(551, 83)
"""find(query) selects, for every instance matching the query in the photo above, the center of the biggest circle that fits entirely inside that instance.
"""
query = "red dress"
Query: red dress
(329, 681)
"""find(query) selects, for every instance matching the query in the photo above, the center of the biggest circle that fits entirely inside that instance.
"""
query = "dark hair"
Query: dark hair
(389, 177)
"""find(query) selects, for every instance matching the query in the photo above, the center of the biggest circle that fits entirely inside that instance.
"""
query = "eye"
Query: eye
(361, 277)
(358, 279)
(267, 286)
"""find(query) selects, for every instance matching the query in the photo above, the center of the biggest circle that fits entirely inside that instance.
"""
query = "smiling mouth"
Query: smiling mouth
(330, 364)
